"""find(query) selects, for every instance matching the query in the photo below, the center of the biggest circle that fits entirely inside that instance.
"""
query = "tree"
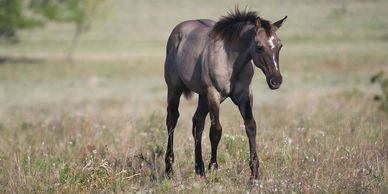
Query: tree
(21, 14)
(13, 17)
(78, 12)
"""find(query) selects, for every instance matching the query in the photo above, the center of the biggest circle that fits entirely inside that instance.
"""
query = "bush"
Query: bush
(12, 17)
(381, 79)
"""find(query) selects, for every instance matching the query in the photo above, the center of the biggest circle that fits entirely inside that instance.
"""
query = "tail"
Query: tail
(187, 93)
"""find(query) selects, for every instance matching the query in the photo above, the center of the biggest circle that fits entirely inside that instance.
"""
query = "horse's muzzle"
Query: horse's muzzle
(274, 83)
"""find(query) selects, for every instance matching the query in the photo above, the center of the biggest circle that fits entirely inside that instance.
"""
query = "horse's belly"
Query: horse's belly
(190, 75)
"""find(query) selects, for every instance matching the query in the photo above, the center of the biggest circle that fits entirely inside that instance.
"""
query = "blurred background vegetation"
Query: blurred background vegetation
(83, 98)
(24, 14)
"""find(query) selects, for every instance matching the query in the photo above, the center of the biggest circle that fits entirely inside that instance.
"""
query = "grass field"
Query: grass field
(98, 125)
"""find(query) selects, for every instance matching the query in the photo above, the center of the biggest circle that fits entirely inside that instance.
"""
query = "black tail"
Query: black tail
(187, 93)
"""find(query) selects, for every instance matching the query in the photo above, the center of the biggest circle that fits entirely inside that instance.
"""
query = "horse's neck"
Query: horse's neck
(239, 53)
(227, 62)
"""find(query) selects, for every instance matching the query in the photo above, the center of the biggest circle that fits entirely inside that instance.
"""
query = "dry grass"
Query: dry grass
(337, 143)
(98, 126)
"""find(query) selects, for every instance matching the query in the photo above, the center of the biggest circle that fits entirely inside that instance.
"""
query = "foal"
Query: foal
(216, 60)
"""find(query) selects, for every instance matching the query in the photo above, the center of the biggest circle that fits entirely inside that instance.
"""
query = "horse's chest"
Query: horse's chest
(222, 81)
(225, 89)
(226, 83)
(222, 72)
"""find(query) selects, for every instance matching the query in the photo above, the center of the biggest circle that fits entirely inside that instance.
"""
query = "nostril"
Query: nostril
(273, 82)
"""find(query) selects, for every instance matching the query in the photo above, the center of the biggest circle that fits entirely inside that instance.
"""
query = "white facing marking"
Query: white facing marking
(270, 42)
(274, 62)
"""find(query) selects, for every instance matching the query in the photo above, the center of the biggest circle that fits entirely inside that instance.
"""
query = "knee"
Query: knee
(250, 123)
(198, 121)
(250, 126)
(197, 129)
(215, 133)
(216, 128)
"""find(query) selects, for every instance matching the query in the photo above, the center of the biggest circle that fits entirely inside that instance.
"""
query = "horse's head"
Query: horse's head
(265, 50)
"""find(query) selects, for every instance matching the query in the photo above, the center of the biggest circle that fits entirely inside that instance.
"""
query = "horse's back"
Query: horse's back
(184, 47)
(189, 33)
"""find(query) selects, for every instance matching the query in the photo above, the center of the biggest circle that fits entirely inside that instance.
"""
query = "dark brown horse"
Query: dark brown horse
(215, 60)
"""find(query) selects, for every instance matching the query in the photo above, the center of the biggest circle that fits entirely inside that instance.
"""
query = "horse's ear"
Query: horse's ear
(279, 23)
(258, 23)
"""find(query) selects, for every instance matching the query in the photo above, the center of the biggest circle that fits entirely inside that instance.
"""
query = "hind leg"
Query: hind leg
(198, 125)
(173, 98)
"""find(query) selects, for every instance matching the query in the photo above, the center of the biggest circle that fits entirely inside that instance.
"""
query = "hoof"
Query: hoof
(169, 171)
(213, 166)
(170, 174)
(253, 184)
(200, 169)
(199, 177)
(169, 161)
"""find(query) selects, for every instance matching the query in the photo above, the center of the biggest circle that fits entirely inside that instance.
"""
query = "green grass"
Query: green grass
(99, 125)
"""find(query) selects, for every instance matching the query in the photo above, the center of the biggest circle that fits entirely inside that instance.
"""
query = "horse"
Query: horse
(216, 60)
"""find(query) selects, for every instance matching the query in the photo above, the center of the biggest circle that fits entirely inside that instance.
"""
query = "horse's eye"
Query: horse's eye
(259, 48)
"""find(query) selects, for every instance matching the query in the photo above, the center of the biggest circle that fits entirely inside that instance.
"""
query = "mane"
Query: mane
(229, 27)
